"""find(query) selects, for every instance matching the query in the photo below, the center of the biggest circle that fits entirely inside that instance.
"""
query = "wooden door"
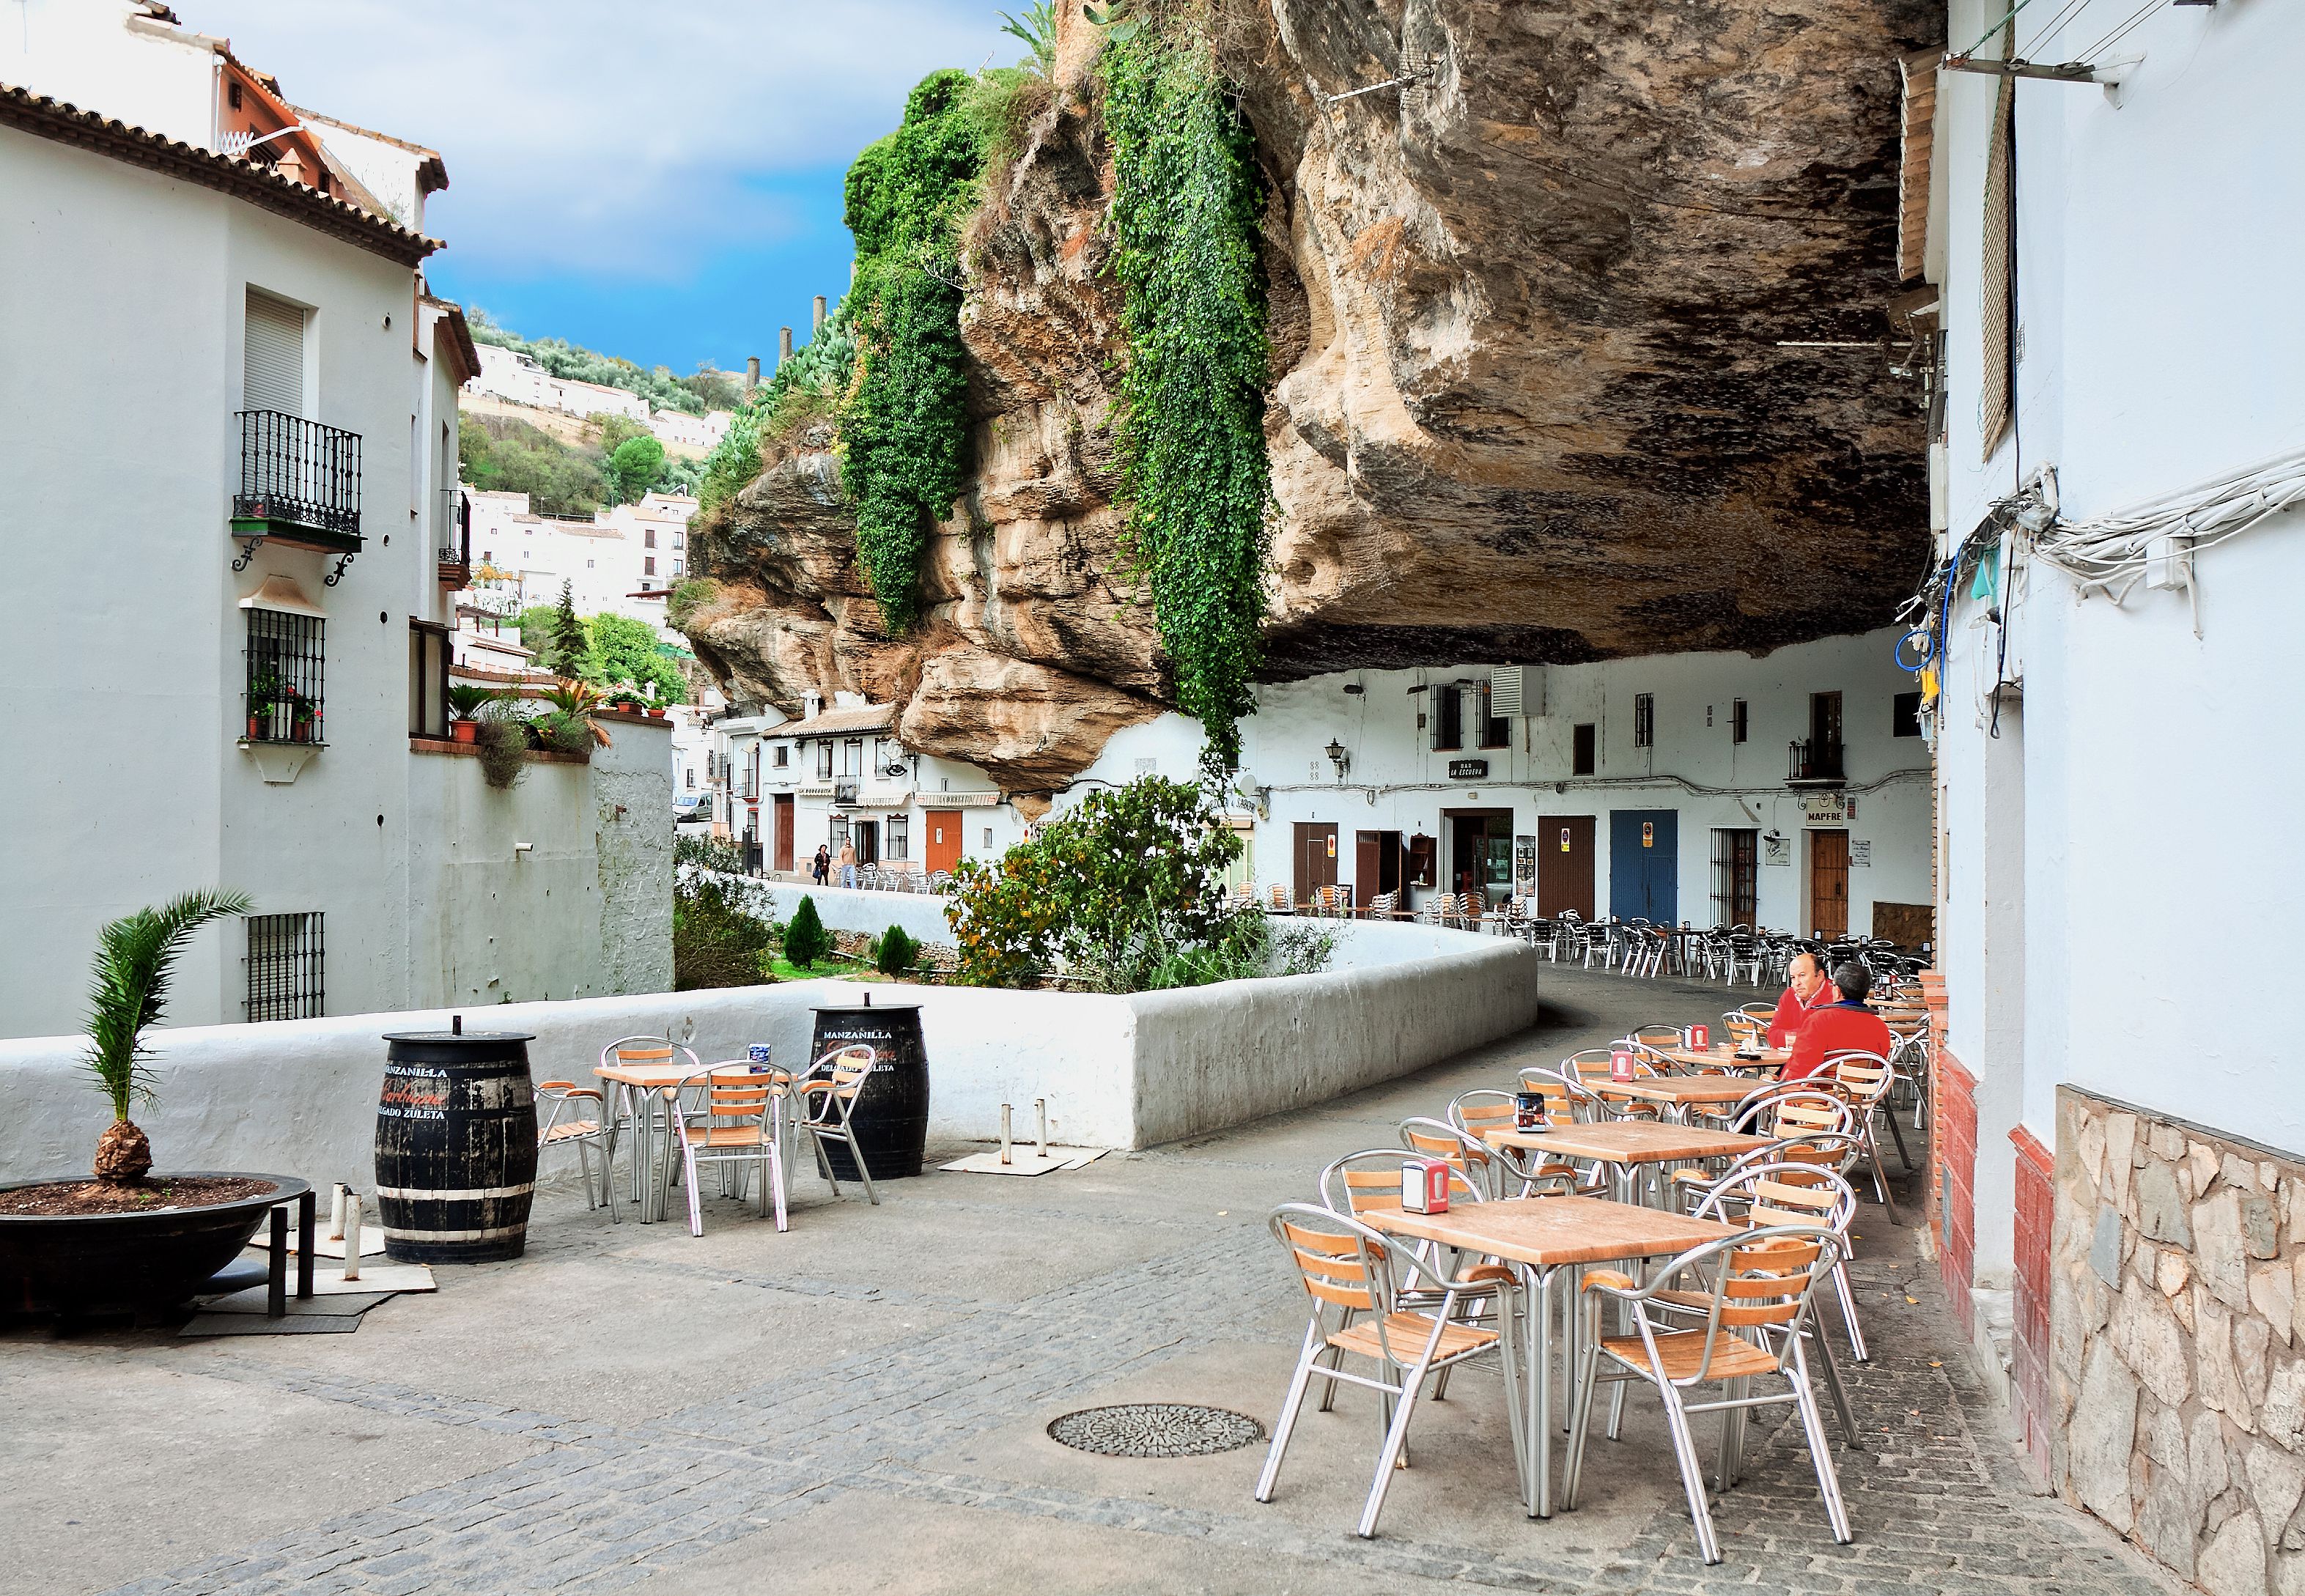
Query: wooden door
(1828, 884)
(785, 832)
(1376, 864)
(1644, 864)
(1564, 865)
(944, 839)
(1316, 858)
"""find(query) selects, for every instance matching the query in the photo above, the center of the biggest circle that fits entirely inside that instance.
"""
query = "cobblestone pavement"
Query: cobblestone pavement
(866, 1399)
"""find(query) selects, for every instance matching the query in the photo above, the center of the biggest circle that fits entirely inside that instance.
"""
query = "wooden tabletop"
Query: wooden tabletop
(1678, 1090)
(1768, 1058)
(1550, 1231)
(1630, 1141)
(647, 1077)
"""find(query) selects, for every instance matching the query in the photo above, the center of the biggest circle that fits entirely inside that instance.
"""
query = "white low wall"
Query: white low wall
(298, 1096)
(850, 909)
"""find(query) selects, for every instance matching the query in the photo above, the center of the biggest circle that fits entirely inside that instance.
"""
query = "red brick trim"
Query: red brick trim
(1954, 1182)
(2029, 1357)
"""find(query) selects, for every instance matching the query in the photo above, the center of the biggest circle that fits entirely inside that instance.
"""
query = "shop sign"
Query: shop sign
(1824, 808)
(1467, 769)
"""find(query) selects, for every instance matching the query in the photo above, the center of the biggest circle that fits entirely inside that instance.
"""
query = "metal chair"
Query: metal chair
(1795, 1185)
(560, 1098)
(738, 1120)
(1485, 1108)
(828, 1092)
(1866, 1080)
(630, 1102)
(1348, 1267)
(1470, 1156)
(1759, 1283)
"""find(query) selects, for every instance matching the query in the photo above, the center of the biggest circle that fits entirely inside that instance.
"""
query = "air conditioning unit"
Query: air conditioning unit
(1517, 690)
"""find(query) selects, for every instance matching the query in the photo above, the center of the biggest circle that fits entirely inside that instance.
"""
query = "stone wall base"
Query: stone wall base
(2176, 1346)
(2029, 1348)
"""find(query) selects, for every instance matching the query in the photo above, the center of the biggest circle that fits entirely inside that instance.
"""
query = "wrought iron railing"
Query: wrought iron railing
(298, 471)
(456, 537)
(844, 791)
(1813, 759)
(286, 661)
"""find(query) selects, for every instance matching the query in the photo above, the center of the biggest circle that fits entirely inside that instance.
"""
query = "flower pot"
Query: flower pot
(465, 731)
(656, 715)
(125, 1263)
(256, 728)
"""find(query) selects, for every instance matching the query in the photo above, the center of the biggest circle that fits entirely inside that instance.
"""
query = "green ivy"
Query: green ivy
(1184, 212)
(904, 427)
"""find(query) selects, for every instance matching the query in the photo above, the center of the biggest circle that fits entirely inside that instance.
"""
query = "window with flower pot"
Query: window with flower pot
(286, 658)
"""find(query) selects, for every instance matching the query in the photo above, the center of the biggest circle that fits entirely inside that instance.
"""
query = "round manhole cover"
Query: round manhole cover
(1156, 1430)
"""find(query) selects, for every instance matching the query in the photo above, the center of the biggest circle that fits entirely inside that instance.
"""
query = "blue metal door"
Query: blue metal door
(1644, 864)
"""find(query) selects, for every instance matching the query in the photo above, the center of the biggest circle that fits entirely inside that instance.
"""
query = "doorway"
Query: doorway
(1564, 866)
(1316, 858)
(1480, 851)
(864, 837)
(1736, 880)
(1644, 864)
(1376, 864)
(1828, 884)
(944, 839)
(783, 822)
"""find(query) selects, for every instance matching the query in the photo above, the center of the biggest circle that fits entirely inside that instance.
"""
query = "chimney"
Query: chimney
(812, 705)
(752, 373)
(817, 324)
(784, 346)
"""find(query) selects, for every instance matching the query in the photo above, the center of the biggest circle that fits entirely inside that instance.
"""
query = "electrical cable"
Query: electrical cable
(2064, 18)
(2122, 31)
(1986, 35)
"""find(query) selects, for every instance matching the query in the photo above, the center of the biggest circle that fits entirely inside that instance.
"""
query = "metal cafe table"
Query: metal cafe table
(1546, 1239)
(1765, 1061)
(648, 1086)
(1627, 1144)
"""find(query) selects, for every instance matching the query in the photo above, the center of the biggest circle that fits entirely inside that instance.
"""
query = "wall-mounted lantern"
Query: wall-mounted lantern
(1338, 757)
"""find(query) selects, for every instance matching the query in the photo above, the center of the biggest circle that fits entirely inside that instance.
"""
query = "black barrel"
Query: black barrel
(891, 1121)
(456, 1146)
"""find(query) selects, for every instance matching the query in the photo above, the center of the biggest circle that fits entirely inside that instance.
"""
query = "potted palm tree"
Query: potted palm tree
(466, 700)
(566, 726)
(127, 1239)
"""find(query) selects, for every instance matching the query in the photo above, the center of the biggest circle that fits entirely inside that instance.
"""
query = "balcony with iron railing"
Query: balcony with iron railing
(300, 482)
(455, 553)
(1815, 762)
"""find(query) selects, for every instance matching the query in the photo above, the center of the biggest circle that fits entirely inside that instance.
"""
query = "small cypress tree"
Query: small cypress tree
(572, 645)
(895, 953)
(806, 941)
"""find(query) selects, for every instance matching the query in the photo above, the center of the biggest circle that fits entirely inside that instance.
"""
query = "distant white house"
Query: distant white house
(278, 550)
(694, 432)
(622, 560)
(509, 374)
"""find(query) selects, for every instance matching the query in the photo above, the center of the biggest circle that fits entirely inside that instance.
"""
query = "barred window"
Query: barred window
(898, 834)
(1741, 724)
(286, 655)
(285, 967)
(1643, 720)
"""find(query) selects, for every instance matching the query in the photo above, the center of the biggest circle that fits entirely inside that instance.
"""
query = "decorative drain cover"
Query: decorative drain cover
(1156, 1430)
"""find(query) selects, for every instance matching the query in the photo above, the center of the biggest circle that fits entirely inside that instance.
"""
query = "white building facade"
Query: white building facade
(621, 561)
(509, 374)
(2115, 266)
(276, 612)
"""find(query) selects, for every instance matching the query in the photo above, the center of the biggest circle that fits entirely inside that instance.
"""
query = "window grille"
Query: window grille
(1494, 732)
(286, 965)
(899, 837)
(1448, 719)
(285, 657)
(1736, 896)
(852, 756)
(1740, 725)
(1643, 720)
(824, 761)
(784, 755)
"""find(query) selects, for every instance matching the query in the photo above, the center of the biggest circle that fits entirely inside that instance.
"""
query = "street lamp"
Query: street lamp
(1338, 757)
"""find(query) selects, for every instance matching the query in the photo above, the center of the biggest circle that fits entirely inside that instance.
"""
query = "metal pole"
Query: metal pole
(1041, 1107)
(1005, 1159)
(352, 1235)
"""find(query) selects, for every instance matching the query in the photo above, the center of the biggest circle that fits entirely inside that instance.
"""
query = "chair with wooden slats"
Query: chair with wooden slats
(1866, 1080)
(564, 1128)
(628, 1101)
(827, 1091)
(738, 1120)
(1468, 1155)
(1280, 900)
(1760, 1192)
(1369, 1182)
(1348, 1271)
(1753, 1297)
(1484, 1108)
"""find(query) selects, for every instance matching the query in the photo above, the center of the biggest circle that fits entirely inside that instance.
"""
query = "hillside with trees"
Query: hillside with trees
(618, 462)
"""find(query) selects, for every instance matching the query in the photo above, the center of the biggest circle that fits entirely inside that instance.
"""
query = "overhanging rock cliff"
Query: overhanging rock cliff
(1529, 399)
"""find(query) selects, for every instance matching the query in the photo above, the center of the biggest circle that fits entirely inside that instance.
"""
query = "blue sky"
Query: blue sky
(660, 182)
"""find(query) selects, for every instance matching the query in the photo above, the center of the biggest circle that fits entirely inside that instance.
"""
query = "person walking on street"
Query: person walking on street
(820, 868)
(847, 863)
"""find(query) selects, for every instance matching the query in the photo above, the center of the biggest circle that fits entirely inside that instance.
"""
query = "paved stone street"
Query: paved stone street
(863, 1404)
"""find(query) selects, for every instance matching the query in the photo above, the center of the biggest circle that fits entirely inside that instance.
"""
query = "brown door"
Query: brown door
(1316, 858)
(1564, 865)
(1828, 884)
(944, 839)
(785, 832)
(1376, 864)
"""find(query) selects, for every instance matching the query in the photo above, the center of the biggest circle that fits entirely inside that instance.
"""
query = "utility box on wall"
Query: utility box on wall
(1516, 691)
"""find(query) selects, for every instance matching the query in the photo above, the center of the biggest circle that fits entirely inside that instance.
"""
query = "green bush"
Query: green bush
(895, 952)
(634, 466)
(1117, 889)
(719, 937)
(505, 454)
(806, 941)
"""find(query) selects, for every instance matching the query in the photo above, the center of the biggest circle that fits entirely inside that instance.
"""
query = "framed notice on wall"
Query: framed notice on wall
(1861, 853)
(1524, 866)
(1776, 849)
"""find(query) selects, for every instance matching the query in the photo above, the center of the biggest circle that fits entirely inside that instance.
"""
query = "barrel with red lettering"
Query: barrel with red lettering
(456, 1146)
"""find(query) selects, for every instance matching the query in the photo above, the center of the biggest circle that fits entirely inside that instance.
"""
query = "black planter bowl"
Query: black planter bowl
(142, 1264)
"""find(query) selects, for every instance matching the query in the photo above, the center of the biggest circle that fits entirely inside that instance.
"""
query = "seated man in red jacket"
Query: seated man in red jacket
(1810, 991)
(1844, 1027)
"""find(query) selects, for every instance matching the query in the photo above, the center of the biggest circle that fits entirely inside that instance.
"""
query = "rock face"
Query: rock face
(1529, 401)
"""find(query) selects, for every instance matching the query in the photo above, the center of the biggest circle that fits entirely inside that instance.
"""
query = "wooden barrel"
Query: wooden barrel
(891, 1121)
(456, 1146)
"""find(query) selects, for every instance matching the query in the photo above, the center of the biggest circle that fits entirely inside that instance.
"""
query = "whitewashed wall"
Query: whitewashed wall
(2117, 857)
(299, 1096)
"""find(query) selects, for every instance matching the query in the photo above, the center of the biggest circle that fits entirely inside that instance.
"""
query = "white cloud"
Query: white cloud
(600, 136)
